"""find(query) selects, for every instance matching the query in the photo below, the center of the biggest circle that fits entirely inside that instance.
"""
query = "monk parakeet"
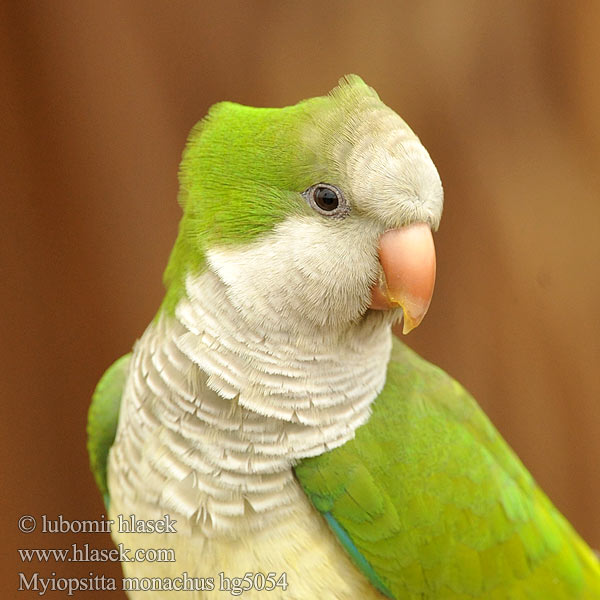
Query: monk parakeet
(268, 427)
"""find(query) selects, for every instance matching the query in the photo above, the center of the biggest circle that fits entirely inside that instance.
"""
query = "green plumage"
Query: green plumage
(260, 150)
(438, 504)
(103, 417)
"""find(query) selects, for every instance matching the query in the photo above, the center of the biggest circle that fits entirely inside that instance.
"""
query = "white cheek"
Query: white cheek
(307, 272)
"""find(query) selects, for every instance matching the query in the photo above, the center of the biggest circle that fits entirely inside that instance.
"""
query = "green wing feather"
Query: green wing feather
(103, 418)
(436, 505)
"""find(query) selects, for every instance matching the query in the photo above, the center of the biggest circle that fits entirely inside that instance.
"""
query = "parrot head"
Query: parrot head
(319, 213)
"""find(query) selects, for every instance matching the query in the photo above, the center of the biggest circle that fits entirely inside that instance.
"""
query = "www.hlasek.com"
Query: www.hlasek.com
(35, 582)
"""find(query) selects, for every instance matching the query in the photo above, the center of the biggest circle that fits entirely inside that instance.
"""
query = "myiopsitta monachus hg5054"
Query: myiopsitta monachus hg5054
(271, 426)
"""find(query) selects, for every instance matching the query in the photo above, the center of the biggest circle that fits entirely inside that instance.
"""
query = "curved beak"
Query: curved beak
(407, 258)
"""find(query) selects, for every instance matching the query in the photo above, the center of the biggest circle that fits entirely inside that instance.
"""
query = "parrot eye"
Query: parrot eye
(327, 200)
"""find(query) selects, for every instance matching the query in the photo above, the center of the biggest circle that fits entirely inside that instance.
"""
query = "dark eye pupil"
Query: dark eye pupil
(326, 199)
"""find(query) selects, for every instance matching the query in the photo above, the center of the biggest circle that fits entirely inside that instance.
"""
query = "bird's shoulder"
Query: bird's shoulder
(434, 501)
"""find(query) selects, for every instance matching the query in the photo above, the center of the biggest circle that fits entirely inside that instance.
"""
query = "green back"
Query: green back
(435, 503)
(103, 418)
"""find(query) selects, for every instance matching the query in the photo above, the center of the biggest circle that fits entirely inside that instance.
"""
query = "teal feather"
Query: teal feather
(359, 560)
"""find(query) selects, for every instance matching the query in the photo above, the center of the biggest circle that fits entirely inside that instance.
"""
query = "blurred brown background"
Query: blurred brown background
(98, 98)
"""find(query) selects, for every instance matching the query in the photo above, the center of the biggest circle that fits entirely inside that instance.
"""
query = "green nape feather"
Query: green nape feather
(103, 418)
(269, 155)
(236, 153)
(438, 506)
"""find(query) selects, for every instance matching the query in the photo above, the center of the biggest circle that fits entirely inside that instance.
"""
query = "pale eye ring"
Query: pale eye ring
(327, 200)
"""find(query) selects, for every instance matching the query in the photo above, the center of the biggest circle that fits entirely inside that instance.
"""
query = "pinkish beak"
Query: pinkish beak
(407, 257)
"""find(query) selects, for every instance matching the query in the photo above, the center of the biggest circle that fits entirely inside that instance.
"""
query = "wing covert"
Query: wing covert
(103, 417)
(438, 505)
